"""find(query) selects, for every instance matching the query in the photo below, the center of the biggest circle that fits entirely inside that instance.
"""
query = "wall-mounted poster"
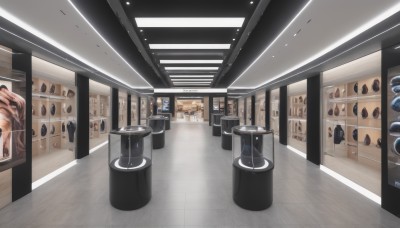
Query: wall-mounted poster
(12, 120)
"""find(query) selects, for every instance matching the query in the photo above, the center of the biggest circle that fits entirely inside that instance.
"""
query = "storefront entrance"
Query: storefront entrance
(190, 109)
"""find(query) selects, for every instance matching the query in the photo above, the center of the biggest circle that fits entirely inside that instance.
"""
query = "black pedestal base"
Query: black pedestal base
(130, 189)
(226, 142)
(252, 189)
(158, 140)
(216, 130)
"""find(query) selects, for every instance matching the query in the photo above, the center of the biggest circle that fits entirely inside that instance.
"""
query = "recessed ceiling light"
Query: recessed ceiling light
(295, 34)
(273, 56)
(191, 68)
(237, 30)
(286, 45)
(190, 46)
(141, 30)
(128, 3)
(397, 47)
(233, 39)
(191, 76)
(145, 39)
(251, 3)
(191, 80)
(167, 61)
(189, 22)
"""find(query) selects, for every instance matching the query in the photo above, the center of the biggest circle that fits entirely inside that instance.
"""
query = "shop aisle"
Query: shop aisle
(192, 188)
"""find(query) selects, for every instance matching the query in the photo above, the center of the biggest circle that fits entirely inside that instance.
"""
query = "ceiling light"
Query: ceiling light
(6, 50)
(394, 48)
(237, 30)
(192, 83)
(165, 61)
(273, 56)
(141, 30)
(233, 39)
(128, 3)
(191, 68)
(189, 22)
(145, 39)
(295, 34)
(190, 46)
(286, 45)
(191, 76)
(191, 80)
(251, 3)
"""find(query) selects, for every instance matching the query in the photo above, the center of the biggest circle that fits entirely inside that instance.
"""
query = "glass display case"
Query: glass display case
(227, 123)
(157, 124)
(168, 117)
(253, 164)
(394, 127)
(216, 123)
(130, 160)
(232, 107)
(274, 111)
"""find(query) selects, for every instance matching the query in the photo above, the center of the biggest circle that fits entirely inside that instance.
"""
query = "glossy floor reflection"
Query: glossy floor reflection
(192, 179)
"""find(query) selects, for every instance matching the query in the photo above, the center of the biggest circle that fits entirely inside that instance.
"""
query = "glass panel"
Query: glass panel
(248, 111)
(53, 117)
(260, 108)
(99, 113)
(143, 111)
(241, 112)
(134, 110)
(123, 109)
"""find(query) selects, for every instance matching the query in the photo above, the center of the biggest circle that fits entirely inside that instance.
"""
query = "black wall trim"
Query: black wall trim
(22, 174)
(314, 119)
(82, 130)
(226, 105)
(114, 108)
(267, 110)
(283, 115)
(390, 194)
(253, 110)
(129, 108)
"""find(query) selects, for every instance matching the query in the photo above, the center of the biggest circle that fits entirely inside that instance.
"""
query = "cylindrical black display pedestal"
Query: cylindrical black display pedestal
(167, 121)
(252, 188)
(216, 130)
(226, 142)
(130, 189)
(158, 140)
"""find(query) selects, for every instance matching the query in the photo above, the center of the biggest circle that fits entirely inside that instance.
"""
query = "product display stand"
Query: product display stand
(167, 120)
(227, 122)
(157, 123)
(216, 124)
(253, 164)
(130, 163)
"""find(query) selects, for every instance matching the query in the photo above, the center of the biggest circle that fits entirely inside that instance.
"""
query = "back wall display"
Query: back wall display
(12, 120)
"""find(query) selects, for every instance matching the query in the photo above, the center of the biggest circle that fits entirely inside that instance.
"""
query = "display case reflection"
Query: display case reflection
(12, 119)
(130, 148)
(253, 147)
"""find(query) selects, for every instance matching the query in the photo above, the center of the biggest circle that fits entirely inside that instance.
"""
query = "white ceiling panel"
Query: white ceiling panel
(68, 31)
(332, 23)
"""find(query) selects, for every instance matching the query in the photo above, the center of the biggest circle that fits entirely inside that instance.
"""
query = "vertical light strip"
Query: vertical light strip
(53, 174)
(298, 152)
(363, 191)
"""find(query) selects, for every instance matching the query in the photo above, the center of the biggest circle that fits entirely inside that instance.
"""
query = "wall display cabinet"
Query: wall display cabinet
(123, 109)
(144, 112)
(232, 107)
(351, 129)
(297, 115)
(260, 108)
(99, 113)
(218, 105)
(134, 110)
(274, 115)
(53, 117)
(163, 105)
(248, 111)
(241, 111)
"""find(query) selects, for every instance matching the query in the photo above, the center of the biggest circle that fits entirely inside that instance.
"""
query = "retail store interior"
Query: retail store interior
(212, 113)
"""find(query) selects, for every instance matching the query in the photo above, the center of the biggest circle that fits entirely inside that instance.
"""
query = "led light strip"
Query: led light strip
(194, 61)
(191, 68)
(191, 76)
(363, 191)
(13, 19)
(189, 22)
(53, 174)
(94, 149)
(189, 46)
(298, 152)
(188, 80)
(6, 50)
(386, 14)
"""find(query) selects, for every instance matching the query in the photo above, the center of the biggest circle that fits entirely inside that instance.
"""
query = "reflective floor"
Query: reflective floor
(192, 179)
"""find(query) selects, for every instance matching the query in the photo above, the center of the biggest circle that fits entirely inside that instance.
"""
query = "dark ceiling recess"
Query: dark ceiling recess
(107, 24)
(127, 11)
(277, 15)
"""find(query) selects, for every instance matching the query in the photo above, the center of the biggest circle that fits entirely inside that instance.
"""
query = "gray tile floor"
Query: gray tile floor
(192, 188)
